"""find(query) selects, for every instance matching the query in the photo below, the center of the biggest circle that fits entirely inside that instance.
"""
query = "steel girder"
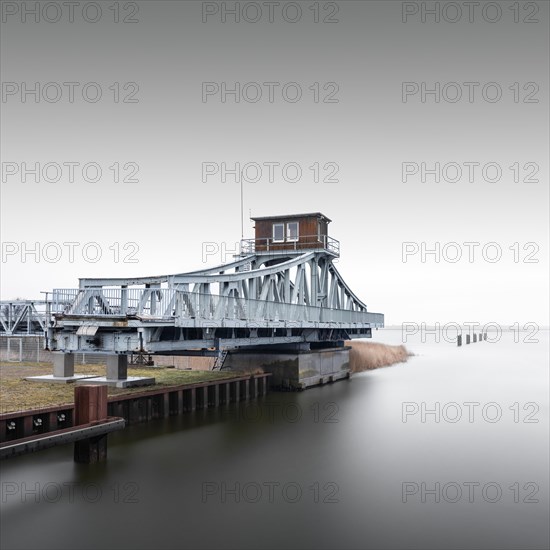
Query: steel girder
(261, 298)
(23, 317)
(309, 278)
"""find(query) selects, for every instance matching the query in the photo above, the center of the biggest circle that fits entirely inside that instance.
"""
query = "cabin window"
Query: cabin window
(292, 231)
(278, 232)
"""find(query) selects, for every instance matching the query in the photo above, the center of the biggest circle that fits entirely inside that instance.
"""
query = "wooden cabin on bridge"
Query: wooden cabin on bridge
(293, 232)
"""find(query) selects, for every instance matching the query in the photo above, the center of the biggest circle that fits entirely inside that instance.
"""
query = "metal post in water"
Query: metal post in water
(90, 405)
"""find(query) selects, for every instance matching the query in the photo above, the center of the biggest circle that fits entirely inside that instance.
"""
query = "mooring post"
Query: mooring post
(467, 338)
(90, 405)
(475, 337)
(480, 337)
(485, 336)
(459, 340)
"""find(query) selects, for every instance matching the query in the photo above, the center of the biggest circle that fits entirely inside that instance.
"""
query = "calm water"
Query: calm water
(332, 467)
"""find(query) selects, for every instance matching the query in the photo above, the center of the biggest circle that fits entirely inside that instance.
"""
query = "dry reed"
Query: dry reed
(373, 355)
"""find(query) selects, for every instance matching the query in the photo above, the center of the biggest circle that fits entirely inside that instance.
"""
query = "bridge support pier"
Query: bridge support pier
(117, 367)
(117, 374)
(294, 368)
(63, 370)
(63, 365)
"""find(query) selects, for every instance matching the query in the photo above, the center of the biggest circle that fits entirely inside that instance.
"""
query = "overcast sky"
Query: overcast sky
(356, 124)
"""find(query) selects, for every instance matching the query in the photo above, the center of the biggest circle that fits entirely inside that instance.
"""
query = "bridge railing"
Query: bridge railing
(303, 242)
(171, 303)
(62, 298)
(152, 302)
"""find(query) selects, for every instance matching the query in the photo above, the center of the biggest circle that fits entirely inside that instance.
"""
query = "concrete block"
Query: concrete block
(128, 382)
(59, 379)
(117, 367)
(63, 364)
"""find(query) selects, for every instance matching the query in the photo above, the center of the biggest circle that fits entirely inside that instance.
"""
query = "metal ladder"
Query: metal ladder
(220, 359)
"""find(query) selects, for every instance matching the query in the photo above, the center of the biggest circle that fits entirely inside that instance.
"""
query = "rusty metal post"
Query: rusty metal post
(90, 405)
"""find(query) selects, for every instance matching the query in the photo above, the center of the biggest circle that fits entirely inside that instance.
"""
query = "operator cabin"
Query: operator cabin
(291, 232)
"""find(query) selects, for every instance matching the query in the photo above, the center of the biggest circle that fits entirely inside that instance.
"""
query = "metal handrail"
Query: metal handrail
(303, 242)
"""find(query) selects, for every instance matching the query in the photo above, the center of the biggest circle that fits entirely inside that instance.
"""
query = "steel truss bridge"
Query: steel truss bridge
(24, 317)
(265, 297)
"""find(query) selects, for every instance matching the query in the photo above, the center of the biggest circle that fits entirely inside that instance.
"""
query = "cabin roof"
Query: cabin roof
(290, 216)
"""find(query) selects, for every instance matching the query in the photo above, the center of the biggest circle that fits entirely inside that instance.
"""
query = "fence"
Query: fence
(30, 349)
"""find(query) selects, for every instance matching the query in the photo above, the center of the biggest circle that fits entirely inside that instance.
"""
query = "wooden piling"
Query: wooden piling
(253, 388)
(226, 393)
(245, 390)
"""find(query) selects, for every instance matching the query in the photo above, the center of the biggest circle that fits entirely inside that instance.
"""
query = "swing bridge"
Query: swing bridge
(282, 291)
(265, 297)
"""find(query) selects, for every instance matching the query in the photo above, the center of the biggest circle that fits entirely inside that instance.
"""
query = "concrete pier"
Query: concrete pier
(63, 370)
(117, 374)
(63, 365)
(294, 367)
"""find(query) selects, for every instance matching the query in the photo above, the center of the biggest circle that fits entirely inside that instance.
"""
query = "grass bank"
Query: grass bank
(17, 394)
